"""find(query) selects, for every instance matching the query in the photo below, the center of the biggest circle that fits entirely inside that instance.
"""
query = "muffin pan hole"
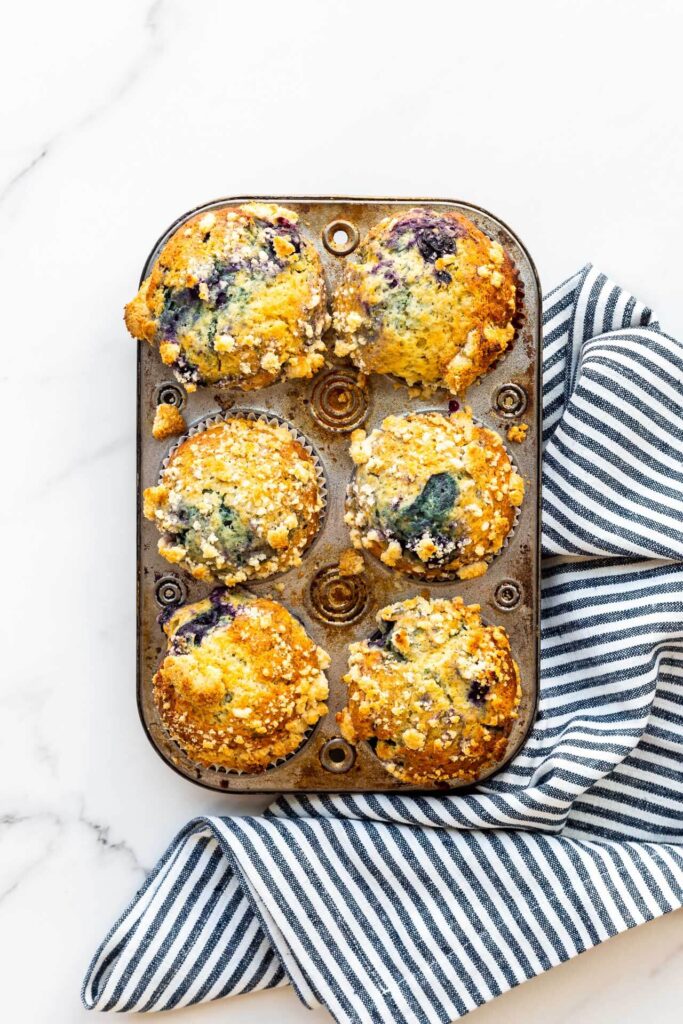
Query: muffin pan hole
(338, 401)
(510, 400)
(507, 595)
(169, 591)
(337, 756)
(170, 394)
(340, 237)
(338, 600)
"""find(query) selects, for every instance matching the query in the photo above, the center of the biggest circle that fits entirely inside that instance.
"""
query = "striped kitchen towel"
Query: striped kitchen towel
(400, 909)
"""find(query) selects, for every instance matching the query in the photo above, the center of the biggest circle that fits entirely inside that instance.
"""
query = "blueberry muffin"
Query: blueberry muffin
(435, 691)
(240, 499)
(427, 297)
(241, 683)
(433, 495)
(236, 297)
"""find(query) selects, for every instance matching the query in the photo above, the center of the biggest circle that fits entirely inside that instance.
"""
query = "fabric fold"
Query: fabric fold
(398, 908)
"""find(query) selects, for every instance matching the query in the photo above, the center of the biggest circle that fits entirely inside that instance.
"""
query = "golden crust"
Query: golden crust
(237, 297)
(242, 681)
(168, 422)
(239, 500)
(428, 297)
(432, 494)
(437, 692)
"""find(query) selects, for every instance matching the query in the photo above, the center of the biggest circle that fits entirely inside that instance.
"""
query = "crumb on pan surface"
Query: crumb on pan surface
(236, 297)
(168, 422)
(432, 494)
(241, 683)
(238, 500)
(435, 690)
(517, 432)
(351, 563)
(427, 296)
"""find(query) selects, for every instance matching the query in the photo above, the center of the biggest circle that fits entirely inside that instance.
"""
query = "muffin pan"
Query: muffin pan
(338, 610)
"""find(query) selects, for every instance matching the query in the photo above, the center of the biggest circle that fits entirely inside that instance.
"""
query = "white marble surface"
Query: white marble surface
(563, 117)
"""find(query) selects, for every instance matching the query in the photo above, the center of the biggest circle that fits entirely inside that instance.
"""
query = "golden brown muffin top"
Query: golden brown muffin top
(236, 297)
(436, 691)
(242, 681)
(433, 494)
(428, 297)
(240, 499)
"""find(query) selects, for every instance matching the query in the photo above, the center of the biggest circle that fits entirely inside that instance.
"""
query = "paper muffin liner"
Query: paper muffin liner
(450, 576)
(271, 419)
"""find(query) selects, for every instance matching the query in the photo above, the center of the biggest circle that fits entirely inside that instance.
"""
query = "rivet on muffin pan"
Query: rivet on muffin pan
(507, 595)
(340, 237)
(338, 600)
(170, 394)
(169, 591)
(337, 755)
(510, 400)
(338, 401)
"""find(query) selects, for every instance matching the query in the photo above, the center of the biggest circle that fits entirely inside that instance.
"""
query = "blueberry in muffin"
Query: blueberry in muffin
(428, 297)
(433, 495)
(241, 683)
(236, 297)
(241, 499)
(435, 691)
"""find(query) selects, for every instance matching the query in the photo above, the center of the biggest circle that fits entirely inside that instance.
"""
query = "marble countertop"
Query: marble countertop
(117, 117)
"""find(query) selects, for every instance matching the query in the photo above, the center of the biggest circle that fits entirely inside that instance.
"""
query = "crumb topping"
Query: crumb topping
(168, 422)
(432, 494)
(427, 296)
(435, 691)
(241, 683)
(351, 563)
(237, 296)
(238, 500)
(517, 432)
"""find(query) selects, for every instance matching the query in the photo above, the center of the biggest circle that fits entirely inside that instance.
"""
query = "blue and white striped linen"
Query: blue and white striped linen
(400, 909)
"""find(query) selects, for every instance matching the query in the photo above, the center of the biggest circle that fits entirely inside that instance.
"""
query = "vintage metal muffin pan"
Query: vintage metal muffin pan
(338, 610)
